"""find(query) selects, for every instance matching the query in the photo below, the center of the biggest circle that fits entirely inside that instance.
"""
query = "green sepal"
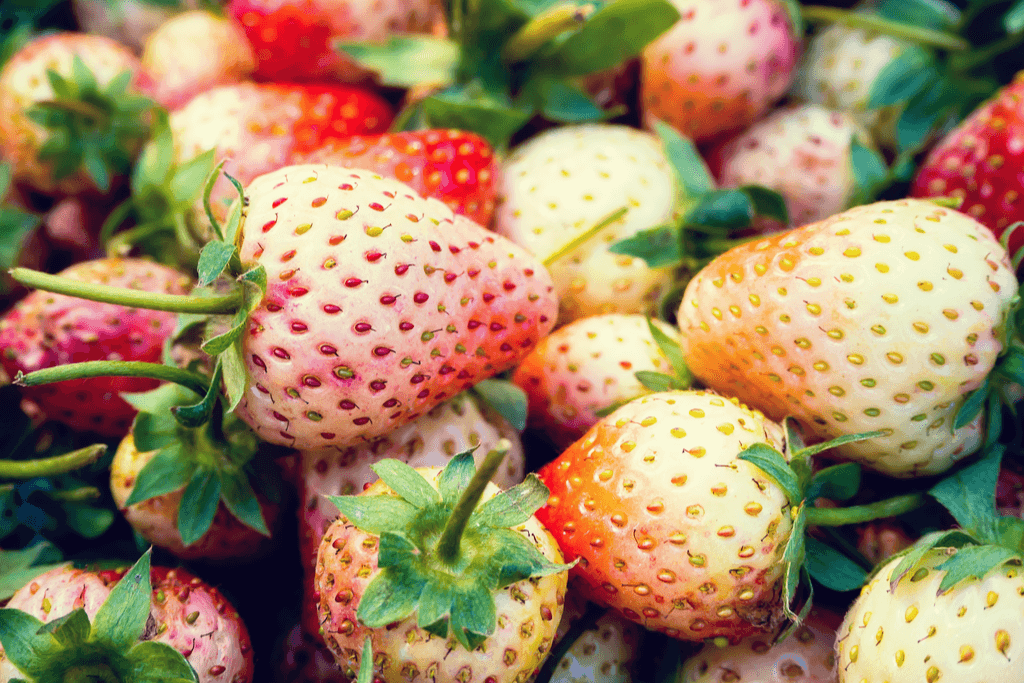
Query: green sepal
(793, 560)
(659, 247)
(561, 102)
(235, 375)
(903, 77)
(673, 351)
(121, 619)
(211, 181)
(513, 506)
(690, 168)
(659, 381)
(773, 464)
(435, 606)
(169, 470)
(924, 113)
(794, 435)
(395, 550)
(390, 596)
(407, 482)
(505, 397)
(831, 568)
(375, 514)
(18, 567)
(153, 662)
(473, 615)
(365, 674)
(870, 173)
(213, 259)
(609, 409)
(838, 482)
(974, 562)
(519, 560)
(972, 406)
(159, 402)
(88, 521)
(25, 643)
(238, 496)
(407, 61)
(472, 107)
(808, 451)
(232, 230)
(729, 209)
(254, 288)
(198, 414)
(198, 506)
(970, 494)
(71, 629)
(1010, 531)
(767, 203)
(912, 556)
(455, 477)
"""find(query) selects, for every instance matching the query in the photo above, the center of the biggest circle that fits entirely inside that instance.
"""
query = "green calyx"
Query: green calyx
(92, 128)
(108, 648)
(442, 554)
(15, 225)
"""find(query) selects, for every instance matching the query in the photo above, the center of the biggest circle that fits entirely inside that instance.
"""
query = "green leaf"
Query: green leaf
(18, 567)
(869, 170)
(435, 606)
(973, 562)
(793, 559)
(198, 505)
(472, 108)
(767, 203)
(24, 644)
(153, 662)
(15, 226)
(473, 616)
(455, 477)
(672, 350)
(189, 179)
(838, 482)
(658, 381)
(121, 619)
(659, 247)
(69, 630)
(88, 521)
(222, 342)
(406, 482)
(561, 102)
(970, 494)
(934, 14)
(407, 61)
(213, 259)
(390, 596)
(617, 31)
(922, 115)
(1013, 20)
(508, 399)
(808, 451)
(904, 76)
(515, 506)
(167, 471)
(831, 568)
(240, 499)
(730, 209)
(691, 170)
(775, 466)
(375, 514)
(972, 406)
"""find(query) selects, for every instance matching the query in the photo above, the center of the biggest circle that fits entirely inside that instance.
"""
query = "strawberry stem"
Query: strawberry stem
(48, 467)
(82, 494)
(586, 235)
(451, 535)
(873, 22)
(543, 28)
(108, 368)
(133, 298)
(890, 507)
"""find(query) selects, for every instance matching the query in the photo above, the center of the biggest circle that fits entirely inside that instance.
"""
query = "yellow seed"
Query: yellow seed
(910, 614)
(735, 310)
(912, 255)
(1002, 641)
(950, 313)
(881, 268)
(852, 252)
(878, 635)
(955, 272)
(855, 358)
(696, 412)
(932, 674)
(966, 653)
(991, 598)
(890, 298)
(884, 239)
(755, 300)
(921, 327)
(925, 286)
(814, 309)
(894, 357)
(677, 432)
(820, 366)
(900, 657)
(837, 391)
(854, 652)
(815, 251)
(835, 333)
(726, 428)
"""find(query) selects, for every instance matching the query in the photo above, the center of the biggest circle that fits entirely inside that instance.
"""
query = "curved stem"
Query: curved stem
(48, 467)
(451, 536)
(109, 368)
(134, 298)
(873, 22)
(118, 216)
(544, 28)
(586, 235)
(890, 507)
(83, 494)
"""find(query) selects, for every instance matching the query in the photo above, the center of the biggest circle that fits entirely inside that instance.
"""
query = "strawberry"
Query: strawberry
(476, 592)
(195, 51)
(806, 655)
(669, 527)
(884, 317)
(563, 182)
(294, 39)
(838, 69)
(603, 653)
(974, 163)
(304, 658)
(878, 541)
(803, 152)
(587, 366)
(720, 67)
(45, 331)
(80, 128)
(188, 630)
(457, 167)
(128, 21)
(260, 127)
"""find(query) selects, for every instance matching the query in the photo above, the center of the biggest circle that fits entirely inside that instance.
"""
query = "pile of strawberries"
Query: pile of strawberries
(507, 341)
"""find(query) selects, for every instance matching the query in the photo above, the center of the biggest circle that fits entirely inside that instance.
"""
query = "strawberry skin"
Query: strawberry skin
(976, 162)
(880, 318)
(720, 67)
(45, 330)
(455, 166)
(670, 528)
(380, 304)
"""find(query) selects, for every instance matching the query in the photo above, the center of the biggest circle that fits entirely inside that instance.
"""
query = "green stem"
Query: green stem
(890, 507)
(134, 298)
(122, 242)
(118, 216)
(873, 22)
(82, 494)
(108, 368)
(969, 60)
(75, 107)
(451, 536)
(583, 237)
(543, 28)
(48, 467)
(584, 623)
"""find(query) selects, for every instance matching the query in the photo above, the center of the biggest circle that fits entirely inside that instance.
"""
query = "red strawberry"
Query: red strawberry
(979, 162)
(455, 166)
(294, 39)
(46, 330)
(260, 127)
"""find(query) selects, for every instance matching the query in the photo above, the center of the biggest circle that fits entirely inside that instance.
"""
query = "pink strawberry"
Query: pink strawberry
(720, 67)
(46, 330)
(455, 166)
(294, 39)
(379, 305)
(195, 51)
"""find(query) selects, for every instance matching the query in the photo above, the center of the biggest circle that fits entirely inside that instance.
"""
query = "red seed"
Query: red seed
(488, 297)
(311, 381)
(390, 403)
(328, 350)
(387, 300)
(434, 245)
(347, 405)
(360, 421)
(353, 282)
(273, 308)
(382, 351)
(420, 297)
(258, 361)
(405, 326)
(298, 327)
(401, 268)
(331, 308)
(281, 353)
(298, 291)
(378, 385)
(362, 328)
(373, 256)
(416, 379)
(449, 278)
